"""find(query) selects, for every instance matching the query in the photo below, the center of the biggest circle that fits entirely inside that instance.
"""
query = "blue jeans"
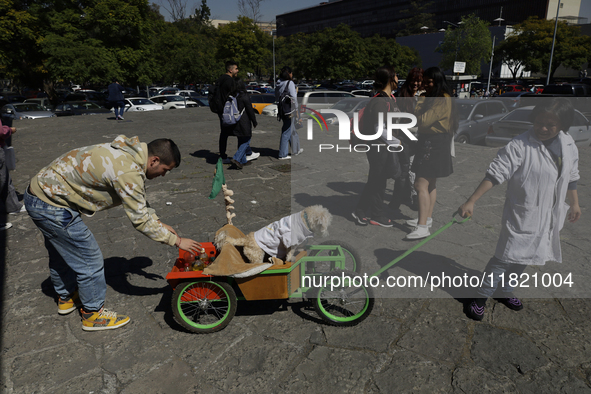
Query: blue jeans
(75, 259)
(288, 135)
(243, 147)
(497, 267)
(118, 107)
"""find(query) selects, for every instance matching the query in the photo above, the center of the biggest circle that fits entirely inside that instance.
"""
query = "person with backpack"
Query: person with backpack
(286, 92)
(116, 99)
(223, 87)
(244, 124)
(382, 163)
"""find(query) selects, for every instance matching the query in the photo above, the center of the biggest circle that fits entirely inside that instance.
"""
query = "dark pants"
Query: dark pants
(371, 203)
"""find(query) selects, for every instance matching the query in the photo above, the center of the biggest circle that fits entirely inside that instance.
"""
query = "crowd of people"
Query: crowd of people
(540, 167)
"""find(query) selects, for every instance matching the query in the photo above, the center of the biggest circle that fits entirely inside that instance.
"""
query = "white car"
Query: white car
(133, 104)
(250, 91)
(270, 110)
(173, 101)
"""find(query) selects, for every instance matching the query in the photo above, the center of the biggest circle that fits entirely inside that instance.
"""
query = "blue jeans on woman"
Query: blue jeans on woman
(243, 150)
(75, 259)
(288, 135)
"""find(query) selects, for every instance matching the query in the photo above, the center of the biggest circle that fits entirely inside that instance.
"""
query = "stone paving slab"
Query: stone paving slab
(411, 343)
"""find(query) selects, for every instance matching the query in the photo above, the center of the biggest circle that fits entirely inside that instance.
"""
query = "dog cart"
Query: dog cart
(204, 303)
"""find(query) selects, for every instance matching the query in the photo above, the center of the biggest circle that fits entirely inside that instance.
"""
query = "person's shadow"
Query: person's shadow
(439, 271)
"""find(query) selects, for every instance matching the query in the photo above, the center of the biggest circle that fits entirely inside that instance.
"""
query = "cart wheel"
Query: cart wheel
(204, 306)
(346, 304)
(352, 259)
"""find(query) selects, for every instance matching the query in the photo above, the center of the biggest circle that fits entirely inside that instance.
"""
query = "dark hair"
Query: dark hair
(440, 86)
(230, 63)
(166, 150)
(239, 87)
(416, 74)
(284, 73)
(561, 107)
(385, 75)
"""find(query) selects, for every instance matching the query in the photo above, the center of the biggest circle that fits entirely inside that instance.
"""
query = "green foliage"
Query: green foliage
(245, 43)
(417, 18)
(341, 53)
(470, 43)
(531, 43)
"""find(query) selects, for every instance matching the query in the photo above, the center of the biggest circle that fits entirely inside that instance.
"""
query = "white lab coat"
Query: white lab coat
(535, 207)
(276, 238)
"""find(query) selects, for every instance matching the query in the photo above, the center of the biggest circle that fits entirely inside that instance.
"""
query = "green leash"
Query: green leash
(424, 241)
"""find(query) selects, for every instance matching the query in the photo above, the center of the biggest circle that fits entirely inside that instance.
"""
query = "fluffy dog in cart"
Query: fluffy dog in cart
(280, 239)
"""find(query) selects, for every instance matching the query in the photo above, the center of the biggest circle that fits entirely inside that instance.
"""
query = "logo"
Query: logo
(383, 137)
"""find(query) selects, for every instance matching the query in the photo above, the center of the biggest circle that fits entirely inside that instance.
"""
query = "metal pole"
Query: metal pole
(492, 54)
(274, 77)
(553, 41)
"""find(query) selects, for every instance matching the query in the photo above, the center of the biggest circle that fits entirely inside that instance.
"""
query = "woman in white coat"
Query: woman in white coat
(541, 169)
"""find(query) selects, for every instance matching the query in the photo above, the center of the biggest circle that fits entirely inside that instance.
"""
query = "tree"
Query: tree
(176, 8)
(531, 43)
(251, 9)
(245, 43)
(386, 51)
(508, 52)
(470, 43)
(417, 18)
(202, 14)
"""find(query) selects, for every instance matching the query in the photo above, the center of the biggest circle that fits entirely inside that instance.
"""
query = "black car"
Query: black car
(96, 97)
(79, 108)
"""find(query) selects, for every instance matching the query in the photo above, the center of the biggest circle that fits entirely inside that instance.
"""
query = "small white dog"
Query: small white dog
(279, 239)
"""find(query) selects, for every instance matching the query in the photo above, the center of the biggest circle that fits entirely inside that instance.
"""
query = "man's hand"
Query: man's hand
(12, 130)
(574, 213)
(190, 246)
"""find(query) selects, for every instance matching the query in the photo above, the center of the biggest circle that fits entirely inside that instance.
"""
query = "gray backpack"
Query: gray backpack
(231, 115)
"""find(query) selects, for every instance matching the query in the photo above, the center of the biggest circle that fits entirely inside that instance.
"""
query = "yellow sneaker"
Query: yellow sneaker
(70, 305)
(102, 320)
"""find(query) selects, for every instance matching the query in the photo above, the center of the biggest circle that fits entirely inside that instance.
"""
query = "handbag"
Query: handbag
(9, 157)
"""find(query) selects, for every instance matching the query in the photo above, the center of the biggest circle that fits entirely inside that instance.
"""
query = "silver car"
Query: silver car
(517, 122)
(25, 111)
(475, 118)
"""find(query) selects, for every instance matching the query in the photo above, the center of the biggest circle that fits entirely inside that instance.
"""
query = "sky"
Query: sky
(228, 9)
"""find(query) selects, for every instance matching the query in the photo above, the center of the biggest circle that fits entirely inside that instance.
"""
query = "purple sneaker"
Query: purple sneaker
(475, 312)
(511, 303)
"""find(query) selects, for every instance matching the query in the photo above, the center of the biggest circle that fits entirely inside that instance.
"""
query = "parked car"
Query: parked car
(25, 111)
(567, 89)
(320, 99)
(512, 99)
(260, 101)
(361, 93)
(475, 118)
(251, 91)
(512, 88)
(79, 108)
(9, 97)
(202, 101)
(189, 94)
(518, 122)
(89, 95)
(134, 104)
(348, 106)
(42, 101)
(368, 83)
(270, 110)
(266, 90)
(174, 101)
(168, 90)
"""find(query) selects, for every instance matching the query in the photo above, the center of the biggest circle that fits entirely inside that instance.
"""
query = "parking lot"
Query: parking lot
(414, 341)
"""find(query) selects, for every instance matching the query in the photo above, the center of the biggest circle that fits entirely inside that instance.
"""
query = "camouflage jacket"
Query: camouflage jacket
(99, 177)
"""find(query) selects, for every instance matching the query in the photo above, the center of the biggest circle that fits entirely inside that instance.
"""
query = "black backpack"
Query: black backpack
(215, 101)
(286, 105)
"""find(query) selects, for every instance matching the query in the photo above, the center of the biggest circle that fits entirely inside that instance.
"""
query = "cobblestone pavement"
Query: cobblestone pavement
(413, 342)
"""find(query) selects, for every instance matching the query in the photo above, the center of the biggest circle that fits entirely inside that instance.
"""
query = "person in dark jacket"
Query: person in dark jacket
(116, 99)
(371, 208)
(226, 84)
(243, 129)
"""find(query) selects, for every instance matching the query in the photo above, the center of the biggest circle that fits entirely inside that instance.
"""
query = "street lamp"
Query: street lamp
(457, 37)
(553, 41)
(274, 33)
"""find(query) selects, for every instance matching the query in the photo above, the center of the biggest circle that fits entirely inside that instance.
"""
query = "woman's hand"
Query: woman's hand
(574, 213)
(466, 209)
